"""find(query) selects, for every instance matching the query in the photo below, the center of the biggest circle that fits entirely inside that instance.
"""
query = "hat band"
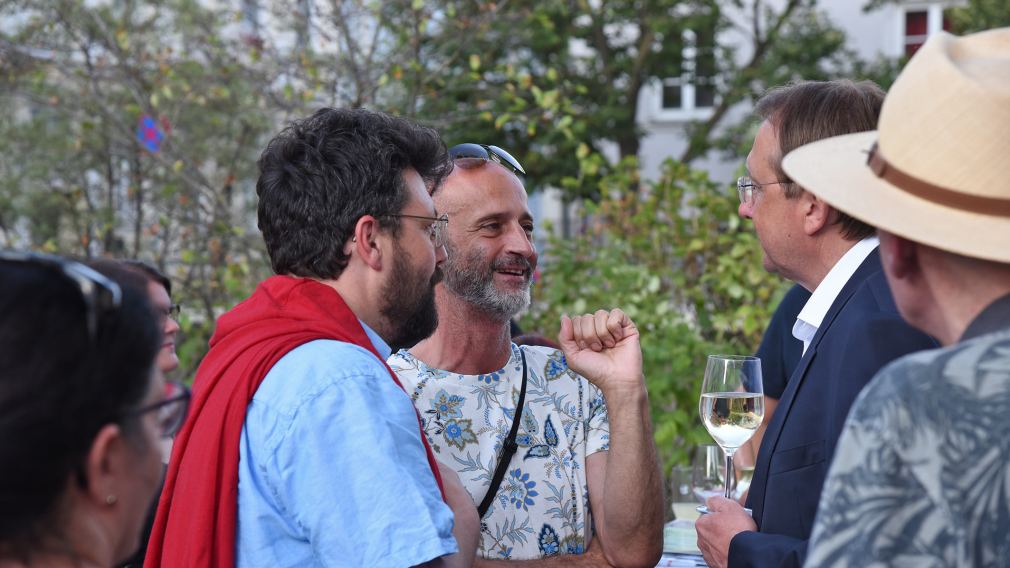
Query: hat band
(934, 193)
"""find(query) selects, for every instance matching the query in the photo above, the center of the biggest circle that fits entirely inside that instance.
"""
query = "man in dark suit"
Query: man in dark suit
(780, 353)
(849, 327)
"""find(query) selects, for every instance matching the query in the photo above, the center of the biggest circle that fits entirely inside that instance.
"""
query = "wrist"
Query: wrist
(626, 393)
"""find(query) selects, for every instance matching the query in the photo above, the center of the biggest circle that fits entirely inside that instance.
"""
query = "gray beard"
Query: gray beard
(470, 279)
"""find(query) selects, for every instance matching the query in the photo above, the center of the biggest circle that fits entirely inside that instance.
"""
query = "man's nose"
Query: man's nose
(745, 210)
(520, 243)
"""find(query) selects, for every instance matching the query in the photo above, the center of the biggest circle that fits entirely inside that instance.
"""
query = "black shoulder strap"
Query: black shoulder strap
(508, 448)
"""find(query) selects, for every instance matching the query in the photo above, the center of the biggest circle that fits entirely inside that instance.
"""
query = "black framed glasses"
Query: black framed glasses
(171, 410)
(485, 153)
(747, 188)
(437, 230)
(100, 294)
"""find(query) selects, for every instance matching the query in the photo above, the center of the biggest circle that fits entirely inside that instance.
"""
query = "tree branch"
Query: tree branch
(699, 141)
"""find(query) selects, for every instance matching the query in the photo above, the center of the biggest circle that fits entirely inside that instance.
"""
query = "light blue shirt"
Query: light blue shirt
(331, 467)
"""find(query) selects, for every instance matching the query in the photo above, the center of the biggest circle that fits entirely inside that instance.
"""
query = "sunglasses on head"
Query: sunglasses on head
(483, 153)
(100, 294)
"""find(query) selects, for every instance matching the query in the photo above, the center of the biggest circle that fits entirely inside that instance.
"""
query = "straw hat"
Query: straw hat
(937, 169)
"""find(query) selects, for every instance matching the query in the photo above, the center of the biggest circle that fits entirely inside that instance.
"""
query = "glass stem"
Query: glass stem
(730, 477)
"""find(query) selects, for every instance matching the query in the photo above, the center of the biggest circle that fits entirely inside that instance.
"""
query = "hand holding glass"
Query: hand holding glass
(732, 404)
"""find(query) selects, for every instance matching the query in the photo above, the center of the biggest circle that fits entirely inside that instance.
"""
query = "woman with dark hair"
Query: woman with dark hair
(143, 276)
(159, 292)
(82, 409)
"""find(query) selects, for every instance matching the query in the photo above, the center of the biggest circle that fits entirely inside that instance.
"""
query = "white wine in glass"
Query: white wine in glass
(732, 404)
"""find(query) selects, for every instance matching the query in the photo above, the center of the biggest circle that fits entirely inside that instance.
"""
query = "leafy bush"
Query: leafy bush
(674, 255)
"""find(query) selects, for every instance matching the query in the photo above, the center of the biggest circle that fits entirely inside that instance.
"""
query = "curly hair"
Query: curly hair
(322, 173)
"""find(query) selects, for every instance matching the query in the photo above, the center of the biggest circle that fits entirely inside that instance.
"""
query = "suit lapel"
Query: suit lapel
(759, 484)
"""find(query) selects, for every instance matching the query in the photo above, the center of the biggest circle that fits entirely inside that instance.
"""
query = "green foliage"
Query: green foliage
(76, 180)
(559, 82)
(554, 81)
(683, 266)
(496, 73)
(979, 15)
(807, 46)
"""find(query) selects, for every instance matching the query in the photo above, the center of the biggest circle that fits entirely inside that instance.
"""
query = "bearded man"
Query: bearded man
(583, 485)
(302, 448)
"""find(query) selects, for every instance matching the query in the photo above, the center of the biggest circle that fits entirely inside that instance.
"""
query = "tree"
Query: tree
(980, 15)
(683, 266)
(559, 81)
(80, 83)
(796, 42)
(555, 81)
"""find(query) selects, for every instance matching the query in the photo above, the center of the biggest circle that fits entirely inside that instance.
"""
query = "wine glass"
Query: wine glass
(681, 500)
(732, 404)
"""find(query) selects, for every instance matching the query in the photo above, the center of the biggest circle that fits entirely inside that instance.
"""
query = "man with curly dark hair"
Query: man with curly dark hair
(303, 449)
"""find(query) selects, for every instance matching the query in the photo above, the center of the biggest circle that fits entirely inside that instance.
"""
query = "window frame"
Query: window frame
(934, 23)
(688, 109)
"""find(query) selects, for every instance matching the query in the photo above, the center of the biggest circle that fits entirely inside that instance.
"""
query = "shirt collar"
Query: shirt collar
(994, 317)
(381, 346)
(813, 312)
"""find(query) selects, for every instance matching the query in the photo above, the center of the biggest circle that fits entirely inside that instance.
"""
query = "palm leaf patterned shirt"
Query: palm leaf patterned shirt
(921, 476)
(542, 506)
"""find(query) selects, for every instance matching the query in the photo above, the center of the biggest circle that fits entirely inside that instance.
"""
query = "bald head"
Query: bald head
(466, 186)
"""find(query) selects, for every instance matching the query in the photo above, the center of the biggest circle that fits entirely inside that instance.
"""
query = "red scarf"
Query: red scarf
(195, 523)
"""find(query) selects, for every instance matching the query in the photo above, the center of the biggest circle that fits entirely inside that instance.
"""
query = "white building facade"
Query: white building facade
(890, 32)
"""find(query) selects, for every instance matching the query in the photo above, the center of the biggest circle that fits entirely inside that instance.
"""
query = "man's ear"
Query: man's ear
(817, 214)
(363, 242)
(106, 465)
(900, 256)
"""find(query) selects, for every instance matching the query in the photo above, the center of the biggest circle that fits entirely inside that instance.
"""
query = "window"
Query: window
(693, 88)
(920, 23)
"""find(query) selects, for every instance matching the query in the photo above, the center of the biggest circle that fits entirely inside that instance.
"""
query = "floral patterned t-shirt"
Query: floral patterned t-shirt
(542, 505)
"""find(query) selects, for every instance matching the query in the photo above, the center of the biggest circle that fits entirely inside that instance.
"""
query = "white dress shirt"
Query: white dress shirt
(813, 312)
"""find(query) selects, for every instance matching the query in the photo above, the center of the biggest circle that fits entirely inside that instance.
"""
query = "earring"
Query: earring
(110, 500)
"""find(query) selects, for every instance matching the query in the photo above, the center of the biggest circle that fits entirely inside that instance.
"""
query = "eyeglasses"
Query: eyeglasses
(100, 294)
(747, 188)
(484, 153)
(172, 311)
(171, 411)
(437, 230)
